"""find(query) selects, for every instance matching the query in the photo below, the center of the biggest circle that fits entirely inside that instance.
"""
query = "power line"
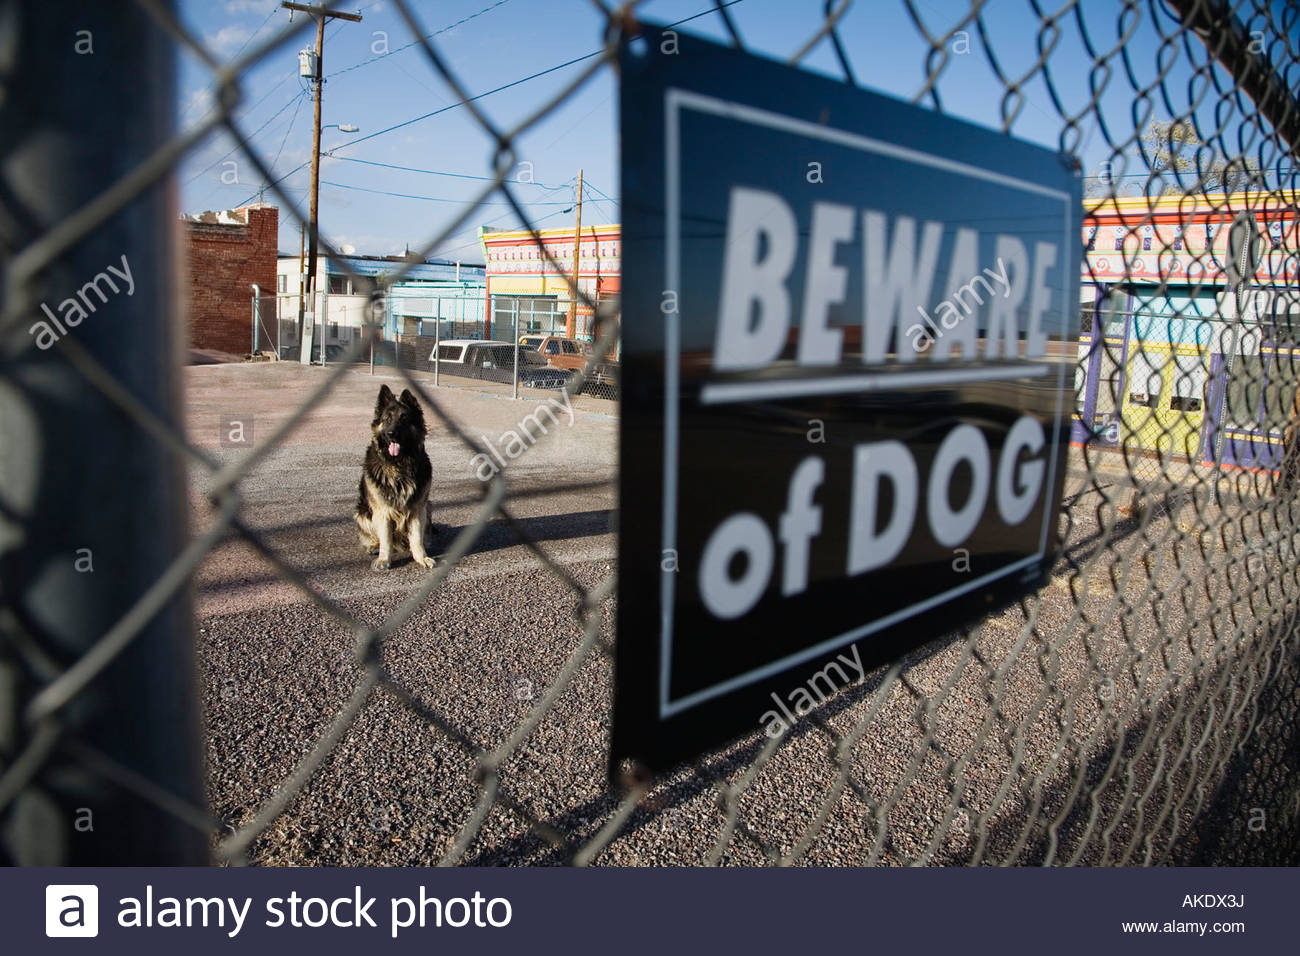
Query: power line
(549, 215)
(428, 36)
(283, 79)
(435, 172)
(459, 200)
(260, 99)
(606, 197)
(452, 106)
(599, 196)
(304, 90)
(541, 73)
(243, 46)
(1186, 173)
(288, 129)
(505, 215)
(471, 99)
(301, 91)
(474, 242)
(238, 146)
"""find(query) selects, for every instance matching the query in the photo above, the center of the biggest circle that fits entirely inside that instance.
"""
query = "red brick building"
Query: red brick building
(226, 252)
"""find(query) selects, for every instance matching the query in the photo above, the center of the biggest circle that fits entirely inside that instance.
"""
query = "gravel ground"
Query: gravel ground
(1135, 712)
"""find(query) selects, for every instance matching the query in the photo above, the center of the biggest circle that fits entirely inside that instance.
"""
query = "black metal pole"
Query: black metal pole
(1227, 39)
(93, 508)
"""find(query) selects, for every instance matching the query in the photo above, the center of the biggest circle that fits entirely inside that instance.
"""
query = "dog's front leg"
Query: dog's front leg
(415, 538)
(384, 532)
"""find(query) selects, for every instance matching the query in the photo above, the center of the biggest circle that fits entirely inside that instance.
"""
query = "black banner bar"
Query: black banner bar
(647, 911)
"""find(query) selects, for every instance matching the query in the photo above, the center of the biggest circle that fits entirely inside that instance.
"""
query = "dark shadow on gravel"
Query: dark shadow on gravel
(497, 535)
(1248, 816)
(686, 784)
(441, 506)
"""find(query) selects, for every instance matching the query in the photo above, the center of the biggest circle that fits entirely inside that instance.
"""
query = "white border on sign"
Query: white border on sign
(721, 393)
(674, 100)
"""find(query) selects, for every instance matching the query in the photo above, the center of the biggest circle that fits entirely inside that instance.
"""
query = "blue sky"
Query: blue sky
(489, 43)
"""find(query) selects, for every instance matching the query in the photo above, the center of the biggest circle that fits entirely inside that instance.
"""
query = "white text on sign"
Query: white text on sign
(876, 539)
(899, 264)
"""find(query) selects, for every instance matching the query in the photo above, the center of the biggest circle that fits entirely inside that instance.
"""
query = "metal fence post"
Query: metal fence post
(257, 313)
(77, 556)
(324, 321)
(514, 314)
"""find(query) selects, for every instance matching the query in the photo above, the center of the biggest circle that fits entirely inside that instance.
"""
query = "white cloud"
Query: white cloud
(198, 103)
(228, 39)
(263, 7)
(370, 244)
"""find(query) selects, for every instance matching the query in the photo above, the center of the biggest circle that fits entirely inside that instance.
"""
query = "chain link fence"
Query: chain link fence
(1140, 709)
(448, 337)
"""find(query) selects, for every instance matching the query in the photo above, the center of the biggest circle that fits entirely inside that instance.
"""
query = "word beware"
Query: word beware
(899, 262)
(73, 310)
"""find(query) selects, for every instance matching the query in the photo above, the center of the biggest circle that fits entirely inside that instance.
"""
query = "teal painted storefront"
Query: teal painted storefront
(1169, 371)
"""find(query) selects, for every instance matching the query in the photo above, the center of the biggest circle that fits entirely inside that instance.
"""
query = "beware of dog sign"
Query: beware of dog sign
(848, 352)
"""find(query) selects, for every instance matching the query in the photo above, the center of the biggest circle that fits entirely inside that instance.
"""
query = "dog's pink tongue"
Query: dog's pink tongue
(393, 448)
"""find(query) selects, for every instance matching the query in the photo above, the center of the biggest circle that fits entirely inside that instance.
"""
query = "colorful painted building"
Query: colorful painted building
(526, 292)
(1164, 365)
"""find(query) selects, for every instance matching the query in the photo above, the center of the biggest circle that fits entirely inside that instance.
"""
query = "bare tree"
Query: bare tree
(1176, 161)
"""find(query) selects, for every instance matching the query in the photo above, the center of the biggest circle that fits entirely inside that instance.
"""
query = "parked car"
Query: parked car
(495, 361)
(560, 352)
(471, 353)
(604, 379)
(571, 354)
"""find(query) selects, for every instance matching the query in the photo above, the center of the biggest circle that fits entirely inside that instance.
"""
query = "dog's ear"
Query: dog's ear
(413, 403)
(385, 399)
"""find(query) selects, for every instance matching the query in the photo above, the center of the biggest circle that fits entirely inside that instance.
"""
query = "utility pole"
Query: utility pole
(302, 282)
(321, 14)
(572, 325)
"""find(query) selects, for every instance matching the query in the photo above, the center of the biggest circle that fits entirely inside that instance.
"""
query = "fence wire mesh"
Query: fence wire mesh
(1140, 709)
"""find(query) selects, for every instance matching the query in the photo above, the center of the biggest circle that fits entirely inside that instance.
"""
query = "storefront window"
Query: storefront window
(1145, 382)
(1189, 383)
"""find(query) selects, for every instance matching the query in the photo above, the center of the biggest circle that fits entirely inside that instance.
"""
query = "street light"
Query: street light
(307, 268)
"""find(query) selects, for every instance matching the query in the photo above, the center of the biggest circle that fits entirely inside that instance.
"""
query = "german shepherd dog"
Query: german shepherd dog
(395, 479)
